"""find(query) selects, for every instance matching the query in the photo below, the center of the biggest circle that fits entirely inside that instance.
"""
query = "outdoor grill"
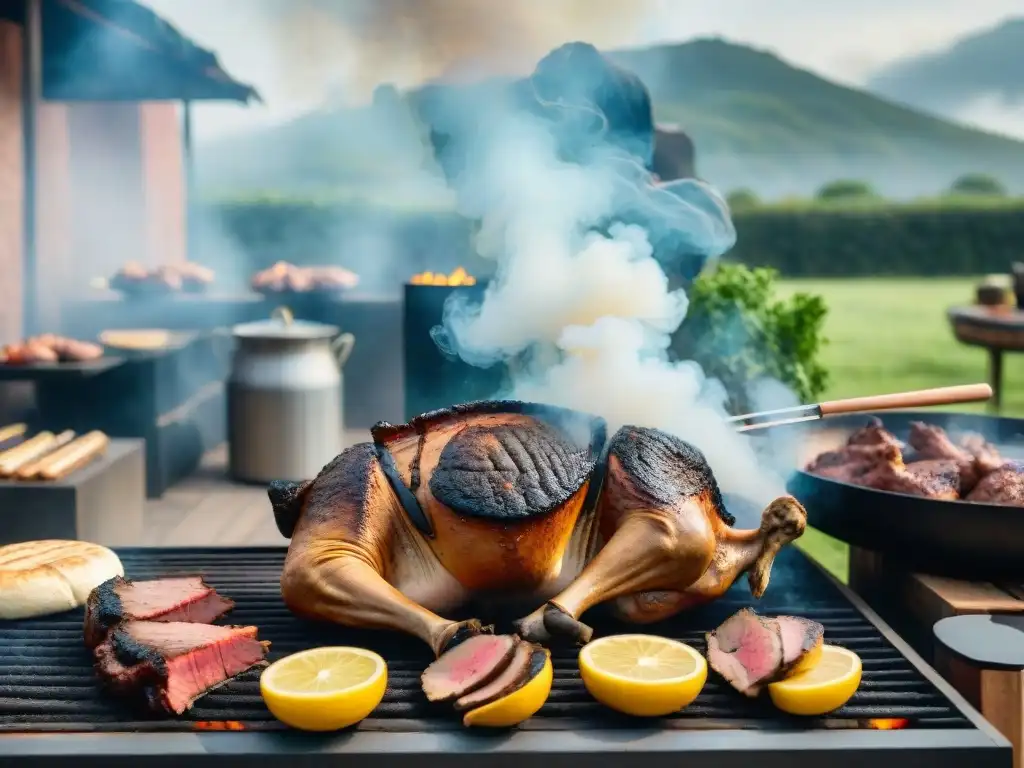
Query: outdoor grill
(52, 712)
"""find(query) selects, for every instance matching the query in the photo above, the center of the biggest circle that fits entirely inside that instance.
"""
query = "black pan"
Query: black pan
(949, 538)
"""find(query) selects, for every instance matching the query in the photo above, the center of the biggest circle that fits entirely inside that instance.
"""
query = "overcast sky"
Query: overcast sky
(844, 41)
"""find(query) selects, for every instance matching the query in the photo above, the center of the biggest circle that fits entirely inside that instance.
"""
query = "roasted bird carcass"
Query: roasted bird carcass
(507, 498)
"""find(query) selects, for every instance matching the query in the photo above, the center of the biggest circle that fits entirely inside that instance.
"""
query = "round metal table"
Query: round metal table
(997, 329)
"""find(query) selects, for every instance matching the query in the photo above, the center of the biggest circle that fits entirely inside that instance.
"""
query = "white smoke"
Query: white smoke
(594, 312)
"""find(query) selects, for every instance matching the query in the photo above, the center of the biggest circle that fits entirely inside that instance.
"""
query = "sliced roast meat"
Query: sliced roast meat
(171, 664)
(536, 659)
(511, 678)
(800, 638)
(747, 651)
(468, 666)
(186, 598)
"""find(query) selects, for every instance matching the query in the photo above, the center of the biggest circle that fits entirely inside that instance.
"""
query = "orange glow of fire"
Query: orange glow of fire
(888, 724)
(459, 276)
(218, 725)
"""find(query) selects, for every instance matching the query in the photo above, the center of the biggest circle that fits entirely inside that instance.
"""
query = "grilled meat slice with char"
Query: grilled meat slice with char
(747, 651)
(510, 679)
(168, 665)
(468, 666)
(932, 442)
(1003, 486)
(750, 651)
(851, 463)
(186, 599)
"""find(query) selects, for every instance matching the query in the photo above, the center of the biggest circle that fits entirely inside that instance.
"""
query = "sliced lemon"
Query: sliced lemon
(825, 687)
(520, 705)
(642, 675)
(324, 689)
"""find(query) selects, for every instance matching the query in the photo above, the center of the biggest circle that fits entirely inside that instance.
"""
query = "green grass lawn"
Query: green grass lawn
(889, 335)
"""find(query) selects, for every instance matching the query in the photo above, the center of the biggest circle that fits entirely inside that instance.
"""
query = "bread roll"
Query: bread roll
(38, 578)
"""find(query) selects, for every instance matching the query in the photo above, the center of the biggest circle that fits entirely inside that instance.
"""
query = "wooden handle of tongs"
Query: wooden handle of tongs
(964, 393)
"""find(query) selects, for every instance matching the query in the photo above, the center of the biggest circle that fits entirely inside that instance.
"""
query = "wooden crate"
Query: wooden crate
(913, 602)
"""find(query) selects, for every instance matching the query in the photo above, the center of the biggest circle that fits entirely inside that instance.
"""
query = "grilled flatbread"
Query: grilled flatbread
(38, 578)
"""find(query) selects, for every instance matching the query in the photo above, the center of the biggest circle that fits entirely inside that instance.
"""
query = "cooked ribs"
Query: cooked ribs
(750, 651)
(186, 598)
(935, 467)
(169, 665)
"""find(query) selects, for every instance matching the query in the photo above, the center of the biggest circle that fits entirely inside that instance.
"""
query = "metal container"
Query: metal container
(433, 380)
(284, 398)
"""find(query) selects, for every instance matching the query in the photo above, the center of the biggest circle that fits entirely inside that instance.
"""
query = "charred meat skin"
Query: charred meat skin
(168, 665)
(186, 599)
(518, 499)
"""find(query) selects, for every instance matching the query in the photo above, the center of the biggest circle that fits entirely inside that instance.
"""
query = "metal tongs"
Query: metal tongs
(921, 398)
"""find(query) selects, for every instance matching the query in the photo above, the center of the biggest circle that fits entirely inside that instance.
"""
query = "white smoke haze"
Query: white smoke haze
(594, 312)
(993, 112)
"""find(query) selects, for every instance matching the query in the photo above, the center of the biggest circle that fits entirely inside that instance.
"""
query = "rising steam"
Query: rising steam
(584, 319)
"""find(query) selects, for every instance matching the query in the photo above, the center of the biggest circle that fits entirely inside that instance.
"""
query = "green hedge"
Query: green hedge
(939, 238)
(903, 240)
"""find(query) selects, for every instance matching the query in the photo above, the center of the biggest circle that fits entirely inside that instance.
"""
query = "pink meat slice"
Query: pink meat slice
(747, 651)
(510, 679)
(800, 636)
(468, 666)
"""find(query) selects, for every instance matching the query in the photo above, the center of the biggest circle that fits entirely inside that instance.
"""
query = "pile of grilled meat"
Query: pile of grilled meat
(930, 464)
(155, 641)
(49, 348)
(134, 279)
(284, 277)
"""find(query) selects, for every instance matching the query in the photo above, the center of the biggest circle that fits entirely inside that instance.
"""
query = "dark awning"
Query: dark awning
(118, 50)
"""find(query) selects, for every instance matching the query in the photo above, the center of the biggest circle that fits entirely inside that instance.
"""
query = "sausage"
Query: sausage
(30, 470)
(37, 447)
(73, 456)
(11, 431)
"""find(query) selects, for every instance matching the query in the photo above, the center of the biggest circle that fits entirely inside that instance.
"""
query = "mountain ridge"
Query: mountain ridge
(756, 120)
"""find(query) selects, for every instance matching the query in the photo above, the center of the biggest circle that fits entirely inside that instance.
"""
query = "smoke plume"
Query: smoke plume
(352, 45)
(581, 311)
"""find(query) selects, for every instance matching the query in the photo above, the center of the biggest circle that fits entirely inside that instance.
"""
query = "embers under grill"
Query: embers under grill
(47, 682)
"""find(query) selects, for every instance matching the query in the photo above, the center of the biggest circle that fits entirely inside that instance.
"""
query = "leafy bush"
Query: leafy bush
(846, 189)
(742, 334)
(978, 184)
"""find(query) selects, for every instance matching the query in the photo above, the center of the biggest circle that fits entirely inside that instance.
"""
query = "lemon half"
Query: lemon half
(520, 705)
(324, 689)
(642, 675)
(825, 687)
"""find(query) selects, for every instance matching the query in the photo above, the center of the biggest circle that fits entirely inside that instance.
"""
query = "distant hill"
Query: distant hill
(986, 64)
(757, 122)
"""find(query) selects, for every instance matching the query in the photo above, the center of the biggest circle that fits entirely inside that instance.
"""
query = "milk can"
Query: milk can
(284, 398)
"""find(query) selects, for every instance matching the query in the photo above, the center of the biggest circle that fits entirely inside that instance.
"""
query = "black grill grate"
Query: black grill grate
(47, 682)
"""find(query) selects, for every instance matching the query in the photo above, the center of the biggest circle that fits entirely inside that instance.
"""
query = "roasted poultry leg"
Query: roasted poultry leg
(670, 544)
(346, 527)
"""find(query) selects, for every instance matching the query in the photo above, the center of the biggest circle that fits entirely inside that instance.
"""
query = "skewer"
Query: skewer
(920, 398)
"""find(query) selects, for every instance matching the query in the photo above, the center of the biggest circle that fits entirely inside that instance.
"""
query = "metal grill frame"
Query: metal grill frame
(704, 746)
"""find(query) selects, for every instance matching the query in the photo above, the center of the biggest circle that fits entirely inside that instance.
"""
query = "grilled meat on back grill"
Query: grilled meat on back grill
(1004, 486)
(168, 665)
(937, 469)
(187, 599)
